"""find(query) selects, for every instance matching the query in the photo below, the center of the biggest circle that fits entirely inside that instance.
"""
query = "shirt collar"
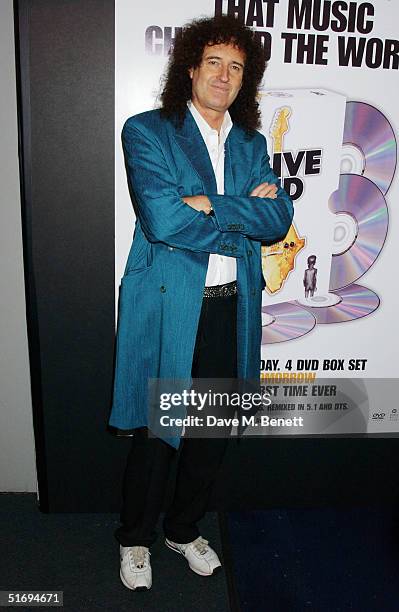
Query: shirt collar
(204, 126)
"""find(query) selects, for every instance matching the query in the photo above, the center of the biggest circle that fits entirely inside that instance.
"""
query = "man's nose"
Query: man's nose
(224, 73)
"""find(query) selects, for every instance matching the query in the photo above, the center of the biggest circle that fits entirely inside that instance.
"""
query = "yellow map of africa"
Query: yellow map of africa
(278, 260)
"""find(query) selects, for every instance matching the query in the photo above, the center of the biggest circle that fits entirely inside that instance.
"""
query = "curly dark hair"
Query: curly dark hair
(187, 53)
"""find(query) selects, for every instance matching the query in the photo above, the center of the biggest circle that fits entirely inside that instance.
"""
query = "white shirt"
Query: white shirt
(221, 269)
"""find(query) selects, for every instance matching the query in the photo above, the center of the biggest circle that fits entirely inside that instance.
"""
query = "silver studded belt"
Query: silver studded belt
(221, 290)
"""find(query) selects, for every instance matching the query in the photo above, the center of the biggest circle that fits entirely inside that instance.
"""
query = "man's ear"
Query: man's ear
(191, 72)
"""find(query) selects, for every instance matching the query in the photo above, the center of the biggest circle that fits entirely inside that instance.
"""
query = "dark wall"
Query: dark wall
(66, 108)
(65, 59)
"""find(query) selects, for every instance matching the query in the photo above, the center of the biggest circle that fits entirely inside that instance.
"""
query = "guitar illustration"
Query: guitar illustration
(278, 260)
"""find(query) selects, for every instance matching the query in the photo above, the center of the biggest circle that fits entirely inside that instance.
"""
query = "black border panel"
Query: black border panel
(21, 31)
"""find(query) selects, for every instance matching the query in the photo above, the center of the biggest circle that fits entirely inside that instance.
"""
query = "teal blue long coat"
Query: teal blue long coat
(161, 290)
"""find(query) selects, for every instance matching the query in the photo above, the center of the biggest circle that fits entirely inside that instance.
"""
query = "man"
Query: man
(190, 302)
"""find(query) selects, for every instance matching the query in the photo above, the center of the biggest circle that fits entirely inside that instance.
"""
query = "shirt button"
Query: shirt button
(162, 289)
(249, 252)
(170, 248)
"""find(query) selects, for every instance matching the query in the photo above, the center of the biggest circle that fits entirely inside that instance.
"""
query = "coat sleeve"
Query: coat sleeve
(163, 215)
(264, 219)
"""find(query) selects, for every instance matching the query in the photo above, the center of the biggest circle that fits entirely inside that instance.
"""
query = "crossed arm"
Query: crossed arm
(202, 202)
(183, 222)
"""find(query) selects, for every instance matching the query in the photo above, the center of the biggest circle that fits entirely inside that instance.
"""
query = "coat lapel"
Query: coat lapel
(192, 144)
(237, 162)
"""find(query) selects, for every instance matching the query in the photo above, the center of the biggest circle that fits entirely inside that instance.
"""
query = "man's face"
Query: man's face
(217, 80)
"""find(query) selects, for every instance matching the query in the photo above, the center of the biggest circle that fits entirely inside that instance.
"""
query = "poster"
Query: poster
(330, 116)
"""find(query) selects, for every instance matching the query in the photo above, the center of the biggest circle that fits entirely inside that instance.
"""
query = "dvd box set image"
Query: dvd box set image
(337, 160)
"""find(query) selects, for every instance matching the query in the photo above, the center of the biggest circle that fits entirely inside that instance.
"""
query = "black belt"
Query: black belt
(225, 290)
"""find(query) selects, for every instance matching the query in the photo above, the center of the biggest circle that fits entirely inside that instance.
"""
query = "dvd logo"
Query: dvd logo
(378, 416)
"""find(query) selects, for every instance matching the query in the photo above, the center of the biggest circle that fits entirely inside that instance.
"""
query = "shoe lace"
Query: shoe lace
(138, 556)
(201, 545)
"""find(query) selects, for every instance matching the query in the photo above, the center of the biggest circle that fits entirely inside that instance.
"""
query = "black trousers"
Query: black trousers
(149, 459)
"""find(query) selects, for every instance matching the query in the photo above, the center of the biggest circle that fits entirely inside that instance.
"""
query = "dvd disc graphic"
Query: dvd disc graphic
(356, 302)
(368, 132)
(288, 320)
(358, 197)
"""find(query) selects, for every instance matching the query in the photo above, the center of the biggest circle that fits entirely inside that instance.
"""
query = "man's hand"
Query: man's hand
(200, 202)
(264, 190)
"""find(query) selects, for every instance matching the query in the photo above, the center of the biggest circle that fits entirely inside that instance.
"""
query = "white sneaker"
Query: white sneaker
(135, 569)
(201, 558)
